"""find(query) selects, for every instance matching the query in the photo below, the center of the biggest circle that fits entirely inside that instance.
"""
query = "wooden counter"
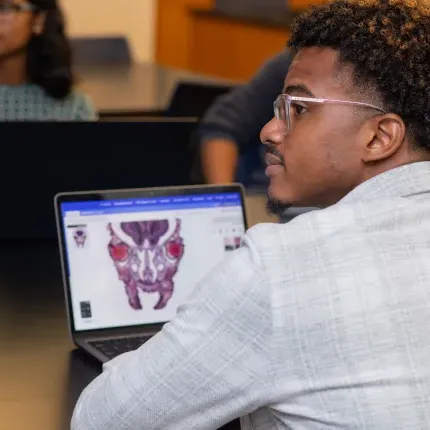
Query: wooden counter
(235, 46)
(174, 31)
(194, 35)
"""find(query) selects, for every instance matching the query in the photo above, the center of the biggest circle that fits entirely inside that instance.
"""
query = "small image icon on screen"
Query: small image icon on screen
(85, 309)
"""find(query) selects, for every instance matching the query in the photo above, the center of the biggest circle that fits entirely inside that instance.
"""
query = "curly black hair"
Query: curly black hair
(388, 44)
(49, 55)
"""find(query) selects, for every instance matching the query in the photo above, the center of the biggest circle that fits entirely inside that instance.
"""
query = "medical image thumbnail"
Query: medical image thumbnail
(145, 259)
(232, 243)
(80, 235)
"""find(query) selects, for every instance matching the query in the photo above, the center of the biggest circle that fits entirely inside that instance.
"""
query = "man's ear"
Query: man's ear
(384, 135)
(39, 23)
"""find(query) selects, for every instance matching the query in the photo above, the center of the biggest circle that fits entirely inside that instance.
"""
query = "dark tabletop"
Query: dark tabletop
(136, 89)
(41, 375)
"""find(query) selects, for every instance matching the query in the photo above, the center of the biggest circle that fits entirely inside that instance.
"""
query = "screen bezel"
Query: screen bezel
(101, 195)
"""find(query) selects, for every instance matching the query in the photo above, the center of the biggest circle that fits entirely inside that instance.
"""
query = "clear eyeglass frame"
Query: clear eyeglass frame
(11, 8)
(282, 108)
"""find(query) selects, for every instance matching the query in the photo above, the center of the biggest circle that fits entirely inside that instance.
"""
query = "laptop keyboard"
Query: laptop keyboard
(113, 347)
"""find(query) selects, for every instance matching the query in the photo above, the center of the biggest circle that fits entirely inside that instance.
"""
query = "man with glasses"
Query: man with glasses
(321, 323)
(228, 134)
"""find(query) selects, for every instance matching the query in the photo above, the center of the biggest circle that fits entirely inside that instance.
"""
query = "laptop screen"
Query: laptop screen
(133, 261)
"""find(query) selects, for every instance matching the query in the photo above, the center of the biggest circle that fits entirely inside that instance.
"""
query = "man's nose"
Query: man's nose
(270, 133)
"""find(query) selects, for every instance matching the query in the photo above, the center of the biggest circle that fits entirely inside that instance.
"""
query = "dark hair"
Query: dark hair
(388, 44)
(49, 56)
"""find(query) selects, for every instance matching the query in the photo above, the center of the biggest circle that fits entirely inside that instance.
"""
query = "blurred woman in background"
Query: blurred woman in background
(36, 79)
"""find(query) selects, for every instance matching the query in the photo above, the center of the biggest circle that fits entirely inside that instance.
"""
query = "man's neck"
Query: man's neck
(13, 70)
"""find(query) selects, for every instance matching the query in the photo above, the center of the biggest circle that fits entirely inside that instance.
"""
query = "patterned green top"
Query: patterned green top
(29, 102)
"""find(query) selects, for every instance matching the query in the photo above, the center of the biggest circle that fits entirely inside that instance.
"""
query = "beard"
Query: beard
(276, 207)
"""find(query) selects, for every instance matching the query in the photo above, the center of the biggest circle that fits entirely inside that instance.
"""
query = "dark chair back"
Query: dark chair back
(90, 51)
(194, 98)
(44, 159)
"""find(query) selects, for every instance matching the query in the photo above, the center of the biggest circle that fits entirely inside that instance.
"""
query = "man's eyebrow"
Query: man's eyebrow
(298, 90)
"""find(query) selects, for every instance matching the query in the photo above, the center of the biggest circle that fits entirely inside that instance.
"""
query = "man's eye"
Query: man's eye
(299, 109)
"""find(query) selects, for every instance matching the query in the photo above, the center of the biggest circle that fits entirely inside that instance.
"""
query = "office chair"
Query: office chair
(92, 51)
(192, 99)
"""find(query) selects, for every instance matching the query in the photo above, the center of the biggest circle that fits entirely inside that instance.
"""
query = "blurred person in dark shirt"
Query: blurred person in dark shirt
(230, 146)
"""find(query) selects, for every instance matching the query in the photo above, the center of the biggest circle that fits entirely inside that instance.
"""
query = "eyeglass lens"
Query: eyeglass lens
(282, 114)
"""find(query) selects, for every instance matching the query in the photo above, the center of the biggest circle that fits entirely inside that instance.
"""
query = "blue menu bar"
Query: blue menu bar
(151, 204)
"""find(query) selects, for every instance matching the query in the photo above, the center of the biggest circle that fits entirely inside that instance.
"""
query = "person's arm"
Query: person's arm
(219, 159)
(211, 364)
(235, 119)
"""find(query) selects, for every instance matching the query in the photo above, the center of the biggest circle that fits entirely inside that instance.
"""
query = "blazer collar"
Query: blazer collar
(404, 181)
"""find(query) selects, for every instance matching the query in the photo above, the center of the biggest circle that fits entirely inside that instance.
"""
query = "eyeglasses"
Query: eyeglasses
(9, 12)
(286, 107)
(11, 8)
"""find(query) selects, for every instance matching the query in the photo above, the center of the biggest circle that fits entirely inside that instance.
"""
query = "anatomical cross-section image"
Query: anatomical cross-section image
(149, 261)
(80, 236)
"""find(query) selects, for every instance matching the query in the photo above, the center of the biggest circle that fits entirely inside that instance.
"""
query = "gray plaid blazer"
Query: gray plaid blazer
(321, 323)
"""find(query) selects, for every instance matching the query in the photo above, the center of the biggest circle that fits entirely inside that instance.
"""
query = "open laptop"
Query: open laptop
(131, 257)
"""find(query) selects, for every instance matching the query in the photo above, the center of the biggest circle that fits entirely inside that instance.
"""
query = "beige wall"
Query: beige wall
(135, 19)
